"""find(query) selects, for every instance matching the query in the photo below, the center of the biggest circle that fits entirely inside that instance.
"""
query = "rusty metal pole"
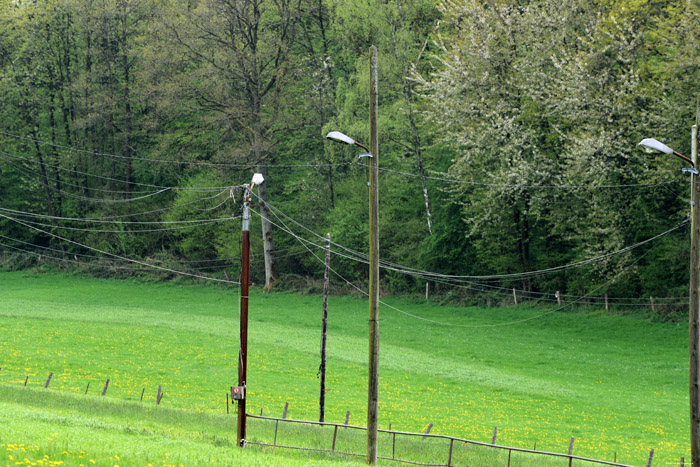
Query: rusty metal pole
(243, 350)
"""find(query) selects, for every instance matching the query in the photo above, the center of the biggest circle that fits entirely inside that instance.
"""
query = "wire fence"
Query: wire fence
(402, 447)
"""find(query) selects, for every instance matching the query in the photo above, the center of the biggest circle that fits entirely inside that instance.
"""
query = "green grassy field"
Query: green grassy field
(618, 384)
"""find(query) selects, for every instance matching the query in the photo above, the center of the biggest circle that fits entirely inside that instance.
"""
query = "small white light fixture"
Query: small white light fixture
(340, 137)
(343, 138)
(258, 179)
(651, 145)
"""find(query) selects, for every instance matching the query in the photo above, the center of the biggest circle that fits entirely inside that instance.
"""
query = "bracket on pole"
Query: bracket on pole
(691, 170)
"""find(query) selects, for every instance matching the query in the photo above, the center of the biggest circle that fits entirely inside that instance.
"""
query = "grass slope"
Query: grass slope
(618, 384)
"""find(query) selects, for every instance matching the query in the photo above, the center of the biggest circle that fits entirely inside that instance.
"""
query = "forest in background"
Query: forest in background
(508, 139)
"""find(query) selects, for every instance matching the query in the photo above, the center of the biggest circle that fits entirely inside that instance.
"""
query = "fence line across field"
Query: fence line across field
(425, 435)
(452, 440)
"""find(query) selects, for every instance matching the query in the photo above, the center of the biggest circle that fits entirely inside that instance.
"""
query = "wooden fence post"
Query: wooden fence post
(682, 461)
(430, 426)
(286, 406)
(651, 300)
(449, 458)
(495, 431)
(25, 380)
(651, 456)
(160, 395)
(607, 307)
(142, 392)
(48, 380)
(515, 297)
(347, 417)
(558, 295)
(335, 435)
(104, 391)
(571, 450)
(227, 403)
(427, 290)
(86, 388)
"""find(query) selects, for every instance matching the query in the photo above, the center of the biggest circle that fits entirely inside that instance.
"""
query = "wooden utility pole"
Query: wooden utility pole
(245, 279)
(322, 370)
(373, 384)
(694, 316)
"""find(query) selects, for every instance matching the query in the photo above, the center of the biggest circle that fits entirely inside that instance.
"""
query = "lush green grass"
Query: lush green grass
(618, 384)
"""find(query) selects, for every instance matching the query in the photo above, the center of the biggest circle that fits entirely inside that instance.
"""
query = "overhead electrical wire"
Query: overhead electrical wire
(102, 221)
(506, 185)
(153, 266)
(117, 216)
(383, 169)
(442, 323)
(429, 275)
(110, 179)
(459, 282)
(167, 161)
(164, 229)
(38, 177)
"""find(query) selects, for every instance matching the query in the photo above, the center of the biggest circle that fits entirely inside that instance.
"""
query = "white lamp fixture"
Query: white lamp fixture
(343, 138)
(651, 145)
(258, 179)
(340, 137)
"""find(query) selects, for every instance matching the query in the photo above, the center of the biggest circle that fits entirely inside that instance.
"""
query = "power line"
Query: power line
(510, 323)
(164, 229)
(100, 221)
(522, 186)
(115, 255)
(430, 275)
(118, 216)
(39, 177)
(111, 179)
(85, 198)
(167, 161)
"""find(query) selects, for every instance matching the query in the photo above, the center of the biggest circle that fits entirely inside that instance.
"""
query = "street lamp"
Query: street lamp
(650, 145)
(239, 391)
(373, 378)
(694, 315)
(343, 138)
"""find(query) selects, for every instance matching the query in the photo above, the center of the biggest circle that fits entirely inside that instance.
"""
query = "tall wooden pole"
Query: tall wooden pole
(243, 351)
(373, 385)
(324, 324)
(694, 315)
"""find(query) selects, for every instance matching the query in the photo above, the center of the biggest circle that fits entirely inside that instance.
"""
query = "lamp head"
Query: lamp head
(258, 179)
(340, 137)
(651, 145)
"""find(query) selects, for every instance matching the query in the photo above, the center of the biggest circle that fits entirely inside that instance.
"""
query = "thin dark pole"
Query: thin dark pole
(243, 351)
(373, 383)
(324, 325)
(694, 315)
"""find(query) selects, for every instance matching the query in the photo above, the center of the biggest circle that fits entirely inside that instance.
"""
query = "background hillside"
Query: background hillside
(508, 140)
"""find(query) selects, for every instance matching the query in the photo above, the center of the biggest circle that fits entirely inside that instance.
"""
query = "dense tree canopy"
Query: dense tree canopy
(508, 139)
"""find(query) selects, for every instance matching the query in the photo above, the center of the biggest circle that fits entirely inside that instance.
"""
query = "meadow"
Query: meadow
(617, 383)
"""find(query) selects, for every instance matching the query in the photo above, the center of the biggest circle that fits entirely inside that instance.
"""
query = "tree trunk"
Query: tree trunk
(268, 245)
